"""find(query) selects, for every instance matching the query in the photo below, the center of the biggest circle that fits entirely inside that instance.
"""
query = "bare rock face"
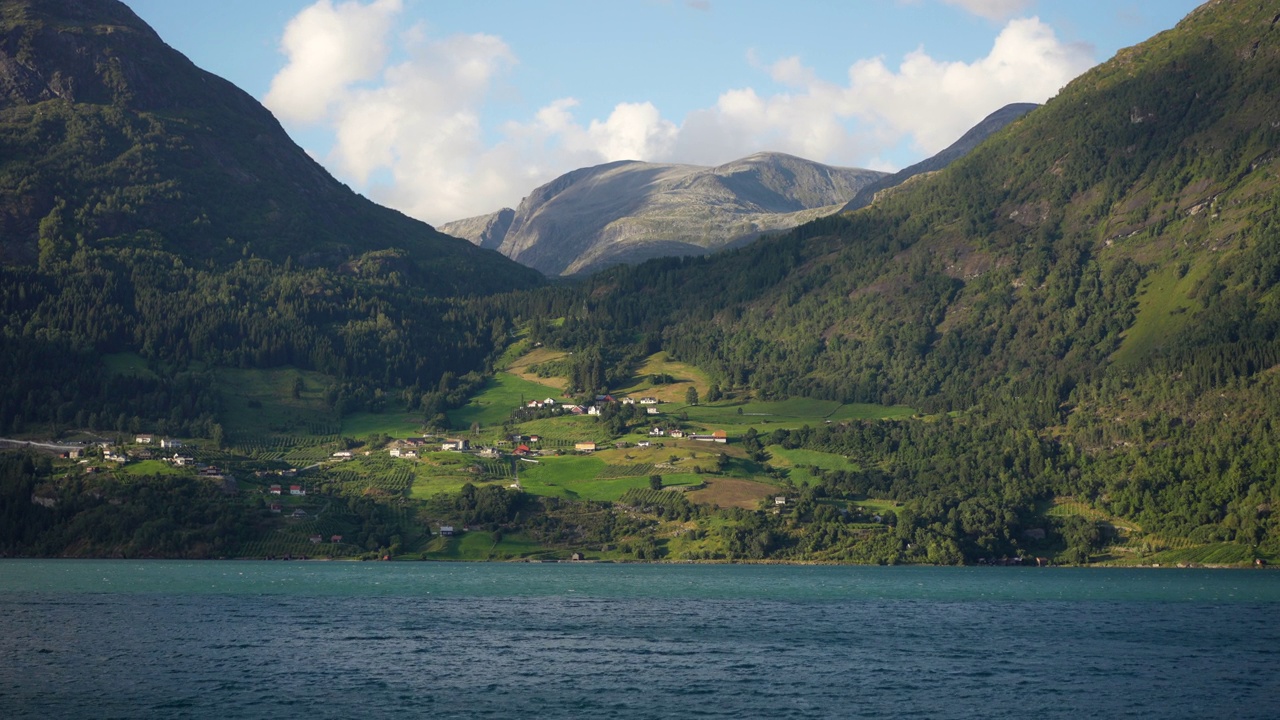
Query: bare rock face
(487, 231)
(628, 212)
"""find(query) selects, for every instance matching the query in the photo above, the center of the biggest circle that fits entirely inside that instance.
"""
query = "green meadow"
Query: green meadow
(1165, 306)
(391, 424)
(789, 414)
(127, 364)
(154, 467)
(262, 402)
(500, 395)
(797, 461)
(584, 477)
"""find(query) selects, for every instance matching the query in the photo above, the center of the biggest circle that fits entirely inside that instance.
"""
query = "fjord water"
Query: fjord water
(163, 639)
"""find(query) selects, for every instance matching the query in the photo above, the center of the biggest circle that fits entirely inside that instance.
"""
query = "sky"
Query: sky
(446, 109)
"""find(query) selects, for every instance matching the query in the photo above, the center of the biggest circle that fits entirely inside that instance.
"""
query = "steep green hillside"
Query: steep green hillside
(109, 137)
(149, 207)
(1102, 273)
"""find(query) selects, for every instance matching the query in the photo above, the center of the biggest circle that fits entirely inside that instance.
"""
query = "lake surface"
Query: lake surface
(160, 639)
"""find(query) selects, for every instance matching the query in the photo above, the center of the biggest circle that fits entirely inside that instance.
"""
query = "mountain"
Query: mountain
(1089, 300)
(627, 212)
(109, 136)
(967, 142)
(153, 212)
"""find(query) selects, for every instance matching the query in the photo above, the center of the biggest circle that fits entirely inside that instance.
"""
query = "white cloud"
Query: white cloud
(329, 47)
(934, 102)
(412, 135)
(993, 9)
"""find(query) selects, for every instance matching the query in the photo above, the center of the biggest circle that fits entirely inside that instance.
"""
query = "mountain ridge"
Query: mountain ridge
(992, 123)
(107, 132)
(590, 218)
(626, 212)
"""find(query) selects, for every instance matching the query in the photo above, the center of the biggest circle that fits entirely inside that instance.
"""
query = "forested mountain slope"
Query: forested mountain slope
(1098, 279)
(149, 207)
(956, 150)
(110, 137)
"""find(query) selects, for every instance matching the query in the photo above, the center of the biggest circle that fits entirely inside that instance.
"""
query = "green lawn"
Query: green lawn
(1164, 308)
(153, 467)
(392, 424)
(864, 411)
(575, 477)
(127, 364)
(516, 546)
(261, 402)
(568, 428)
(789, 414)
(467, 546)
(479, 545)
(501, 394)
(793, 459)
(443, 472)
(783, 457)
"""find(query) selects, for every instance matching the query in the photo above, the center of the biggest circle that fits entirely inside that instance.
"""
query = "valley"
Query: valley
(1060, 346)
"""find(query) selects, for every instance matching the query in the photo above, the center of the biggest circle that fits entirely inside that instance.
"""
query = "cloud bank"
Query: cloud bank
(410, 135)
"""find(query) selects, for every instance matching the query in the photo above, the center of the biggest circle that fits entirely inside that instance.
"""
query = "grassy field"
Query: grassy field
(261, 402)
(503, 393)
(567, 429)
(520, 368)
(590, 478)
(793, 459)
(443, 472)
(1164, 307)
(153, 467)
(685, 376)
(467, 546)
(396, 425)
(127, 364)
(864, 411)
(782, 457)
(788, 414)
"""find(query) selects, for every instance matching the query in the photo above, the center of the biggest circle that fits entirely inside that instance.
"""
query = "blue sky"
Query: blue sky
(446, 109)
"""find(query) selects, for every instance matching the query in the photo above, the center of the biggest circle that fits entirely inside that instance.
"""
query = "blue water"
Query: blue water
(118, 639)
